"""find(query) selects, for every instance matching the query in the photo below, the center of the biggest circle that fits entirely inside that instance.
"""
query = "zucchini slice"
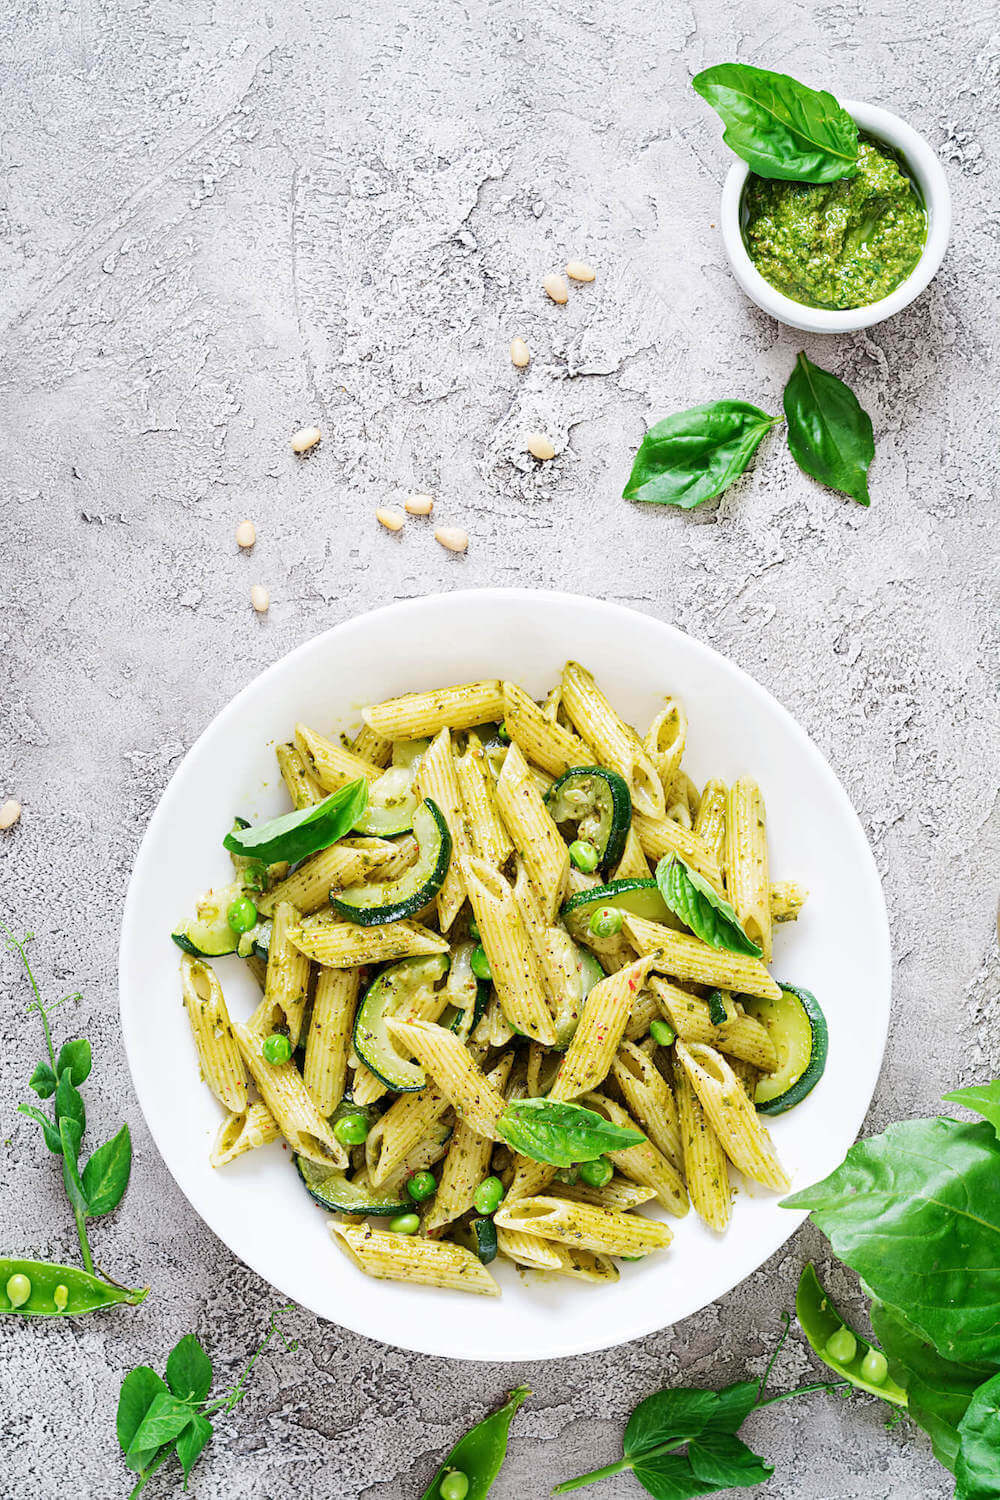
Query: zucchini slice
(392, 797)
(331, 1189)
(579, 971)
(639, 897)
(391, 994)
(797, 1027)
(485, 1232)
(382, 901)
(597, 800)
(208, 934)
(468, 996)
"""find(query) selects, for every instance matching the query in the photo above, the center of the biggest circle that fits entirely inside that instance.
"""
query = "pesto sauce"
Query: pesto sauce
(837, 244)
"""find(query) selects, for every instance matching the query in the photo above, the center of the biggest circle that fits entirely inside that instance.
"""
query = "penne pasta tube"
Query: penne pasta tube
(706, 1166)
(528, 1250)
(633, 863)
(247, 1131)
(648, 1100)
(437, 780)
(329, 763)
(539, 841)
(449, 1063)
(371, 746)
(642, 1163)
(512, 960)
(710, 822)
(662, 836)
(742, 1037)
(344, 945)
(329, 1039)
(286, 983)
(466, 1164)
(487, 832)
(308, 887)
(541, 740)
(747, 880)
(407, 1122)
(221, 1062)
(303, 788)
(618, 1193)
(683, 956)
(286, 1096)
(583, 1264)
(740, 1130)
(664, 741)
(616, 743)
(600, 1029)
(413, 1258)
(584, 1226)
(530, 1177)
(415, 715)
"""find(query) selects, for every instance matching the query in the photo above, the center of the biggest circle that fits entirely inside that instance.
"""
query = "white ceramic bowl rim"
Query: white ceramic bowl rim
(930, 177)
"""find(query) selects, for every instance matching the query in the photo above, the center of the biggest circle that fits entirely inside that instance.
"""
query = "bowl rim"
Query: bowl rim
(926, 168)
(579, 1343)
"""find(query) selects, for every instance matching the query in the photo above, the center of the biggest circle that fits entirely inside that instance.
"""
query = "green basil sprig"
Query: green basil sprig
(780, 127)
(295, 835)
(700, 907)
(829, 432)
(561, 1134)
(695, 455)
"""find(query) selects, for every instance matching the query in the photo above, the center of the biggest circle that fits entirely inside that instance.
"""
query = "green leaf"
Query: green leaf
(670, 1416)
(189, 1370)
(916, 1212)
(164, 1421)
(105, 1176)
(43, 1081)
(191, 1442)
(69, 1102)
(561, 1134)
(295, 835)
(977, 1471)
(734, 1405)
(139, 1389)
(671, 1477)
(76, 1057)
(700, 907)
(829, 433)
(49, 1131)
(780, 127)
(983, 1098)
(695, 455)
(723, 1460)
(69, 1134)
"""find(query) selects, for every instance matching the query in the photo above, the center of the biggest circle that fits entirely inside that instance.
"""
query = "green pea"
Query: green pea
(662, 1033)
(241, 914)
(488, 1195)
(60, 1297)
(568, 1174)
(597, 1173)
(277, 1048)
(503, 734)
(18, 1289)
(405, 1224)
(875, 1366)
(480, 963)
(421, 1185)
(350, 1130)
(583, 854)
(605, 921)
(454, 1485)
(842, 1346)
(474, 929)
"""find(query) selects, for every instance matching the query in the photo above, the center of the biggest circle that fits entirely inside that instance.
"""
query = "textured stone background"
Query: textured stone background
(220, 221)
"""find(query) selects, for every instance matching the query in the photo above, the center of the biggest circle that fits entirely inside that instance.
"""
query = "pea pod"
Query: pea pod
(479, 1454)
(838, 1346)
(39, 1289)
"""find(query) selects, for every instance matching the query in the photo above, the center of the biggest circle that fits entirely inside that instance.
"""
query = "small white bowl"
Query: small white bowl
(930, 178)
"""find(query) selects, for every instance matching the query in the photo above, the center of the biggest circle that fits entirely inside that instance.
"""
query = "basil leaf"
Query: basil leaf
(139, 1389)
(165, 1420)
(105, 1176)
(43, 1081)
(696, 454)
(780, 127)
(829, 433)
(671, 1416)
(700, 907)
(74, 1056)
(189, 1370)
(295, 835)
(191, 1442)
(670, 1477)
(561, 1134)
(49, 1131)
(978, 1468)
(725, 1461)
(916, 1212)
(984, 1099)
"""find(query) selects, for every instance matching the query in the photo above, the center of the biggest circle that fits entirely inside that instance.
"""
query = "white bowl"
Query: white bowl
(839, 948)
(929, 175)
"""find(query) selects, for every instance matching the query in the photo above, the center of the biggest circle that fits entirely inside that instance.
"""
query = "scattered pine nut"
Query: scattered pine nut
(9, 813)
(578, 270)
(419, 505)
(539, 446)
(260, 599)
(246, 534)
(557, 289)
(452, 537)
(520, 354)
(305, 438)
(390, 518)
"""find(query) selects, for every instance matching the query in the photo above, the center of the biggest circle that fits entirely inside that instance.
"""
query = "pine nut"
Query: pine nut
(419, 505)
(9, 813)
(305, 438)
(556, 288)
(392, 520)
(246, 534)
(260, 599)
(539, 446)
(519, 353)
(578, 270)
(452, 537)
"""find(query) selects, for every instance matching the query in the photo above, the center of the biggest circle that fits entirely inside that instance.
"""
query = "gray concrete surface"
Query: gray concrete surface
(221, 221)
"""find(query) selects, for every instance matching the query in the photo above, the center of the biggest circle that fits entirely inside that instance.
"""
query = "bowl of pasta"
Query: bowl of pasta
(526, 952)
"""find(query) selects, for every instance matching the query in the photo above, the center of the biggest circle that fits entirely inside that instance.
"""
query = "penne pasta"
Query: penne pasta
(436, 779)
(684, 956)
(454, 1071)
(416, 715)
(600, 1029)
(221, 1061)
(466, 1164)
(487, 832)
(343, 945)
(633, 864)
(706, 1166)
(528, 1250)
(662, 836)
(252, 1128)
(508, 948)
(618, 1193)
(541, 740)
(664, 741)
(329, 763)
(303, 788)
(286, 983)
(413, 1258)
(286, 1096)
(747, 879)
(584, 1226)
(541, 846)
(329, 1039)
(308, 887)
(648, 1099)
(617, 745)
(710, 822)
(742, 1036)
(368, 745)
(643, 1163)
(407, 1122)
(730, 1112)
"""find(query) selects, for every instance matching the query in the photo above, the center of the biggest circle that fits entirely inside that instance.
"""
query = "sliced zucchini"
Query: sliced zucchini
(208, 934)
(392, 797)
(394, 991)
(382, 901)
(468, 996)
(331, 1189)
(598, 802)
(797, 1027)
(579, 972)
(485, 1232)
(639, 897)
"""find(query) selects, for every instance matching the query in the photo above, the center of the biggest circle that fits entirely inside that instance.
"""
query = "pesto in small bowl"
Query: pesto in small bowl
(837, 244)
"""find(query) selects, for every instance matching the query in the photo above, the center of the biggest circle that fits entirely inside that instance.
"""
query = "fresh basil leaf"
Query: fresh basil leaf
(977, 1471)
(43, 1081)
(561, 1134)
(76, 1057)
(696, 454)
(139, 1389)
(829, 433)
(189, 1370)
(295, 835)
(165, 1419)
(191, 1442)
(49, 1131)
(734, 1405)
(916, 1212)
(723, 1460)
(780, 127)
(105, 1176)
(670, 1477)
(671, 1416)
(700, 907)
(983, 1098)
